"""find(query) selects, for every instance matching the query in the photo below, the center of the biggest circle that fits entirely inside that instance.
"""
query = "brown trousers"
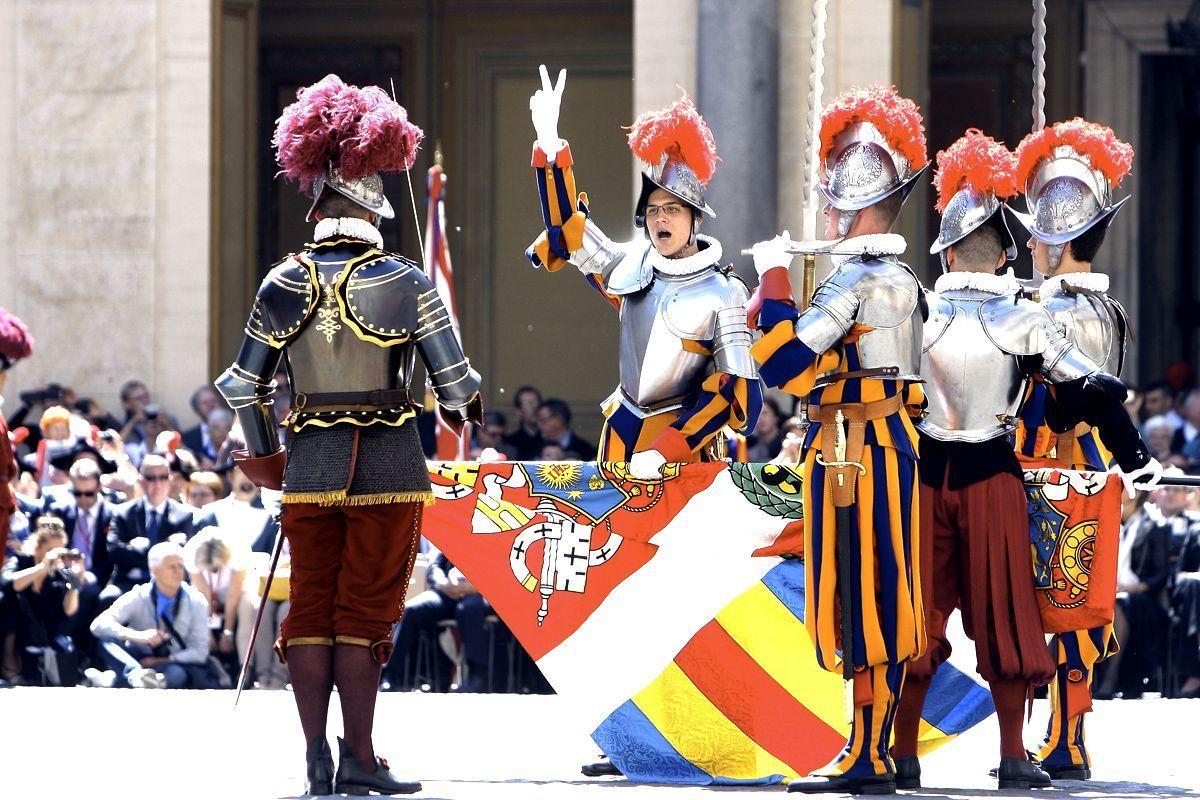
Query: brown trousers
(975, 555)
(350, 570)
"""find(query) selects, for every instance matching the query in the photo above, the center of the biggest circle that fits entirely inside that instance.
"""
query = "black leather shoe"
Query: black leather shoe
(598, 769)
(319, 774)
(1067, 772)
(844, 784)
(1017, 773)
(353, 778)
(908, 772)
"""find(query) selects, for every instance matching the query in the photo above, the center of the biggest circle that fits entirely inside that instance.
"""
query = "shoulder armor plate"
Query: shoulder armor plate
(1095, 322)
(1015, 325)
(382, 298)
(887, 291)
(634, 272)
(941, 314)
(285, 301)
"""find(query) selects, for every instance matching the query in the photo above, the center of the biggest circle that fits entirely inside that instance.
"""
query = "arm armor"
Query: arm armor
(248, 386)
(454, 382)
(829, 316)
(732, 340)
(1023, 328)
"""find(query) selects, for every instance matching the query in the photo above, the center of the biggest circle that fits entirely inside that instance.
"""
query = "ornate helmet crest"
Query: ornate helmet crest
(872, 144)
(679, 154)
(1068, 173)
(337, 137)
(974, 176)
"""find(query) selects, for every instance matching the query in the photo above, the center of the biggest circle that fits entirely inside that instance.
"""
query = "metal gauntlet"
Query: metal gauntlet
(1062, 360)
(827, 319)
(454, 382)
(731, 344)
(248, 387)
(597, 254)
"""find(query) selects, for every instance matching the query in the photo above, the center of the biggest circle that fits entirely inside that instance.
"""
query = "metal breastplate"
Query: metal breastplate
(1095, 323)
(657, 370)
(972, 386)
(328, 356)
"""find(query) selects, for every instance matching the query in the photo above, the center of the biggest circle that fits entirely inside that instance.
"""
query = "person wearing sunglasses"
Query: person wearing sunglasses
(685, 367)
(142, 523)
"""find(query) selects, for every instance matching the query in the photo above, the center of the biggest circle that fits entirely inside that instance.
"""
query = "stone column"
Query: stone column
(738, 90)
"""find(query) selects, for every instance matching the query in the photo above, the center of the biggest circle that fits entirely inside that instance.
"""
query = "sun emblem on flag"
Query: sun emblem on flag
(560, 475)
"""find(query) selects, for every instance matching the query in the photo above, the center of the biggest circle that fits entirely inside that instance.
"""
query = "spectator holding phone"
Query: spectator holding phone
(43, 584)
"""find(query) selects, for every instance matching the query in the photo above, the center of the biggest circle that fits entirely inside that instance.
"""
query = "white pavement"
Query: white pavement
(93, 744)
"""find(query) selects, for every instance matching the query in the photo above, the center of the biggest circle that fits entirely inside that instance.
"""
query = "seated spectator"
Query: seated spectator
(87, 516)
(217, 568)
(491, 435)
(526, 440)
(1185, 611)
(1143, 572)
(135, 397)
(767, 439)
(156, 635)
(203, 488)
(182, 464)
(450, 596)
(140, 524)
(240, 514)
(1159, 400)
(154, 423)
(1187, 437)
(41, 587)
(204, 401)
(552, 452)
(1158, 433)
(554, 425)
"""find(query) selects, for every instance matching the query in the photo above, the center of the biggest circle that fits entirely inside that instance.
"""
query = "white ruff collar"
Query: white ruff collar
(703, 258)
(1005, 283)
(351, 227)
(1092, 281)
(869, 244)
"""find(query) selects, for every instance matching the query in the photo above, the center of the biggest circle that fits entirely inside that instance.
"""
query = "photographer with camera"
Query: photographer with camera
(44, 583)
(156, 636)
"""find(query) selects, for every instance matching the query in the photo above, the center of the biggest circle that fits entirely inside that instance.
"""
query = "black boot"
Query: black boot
(353, 778)
(600, 768)
(1067, 772)
(1017, 773)
(908, 772)
(845, 784)
(319, 775)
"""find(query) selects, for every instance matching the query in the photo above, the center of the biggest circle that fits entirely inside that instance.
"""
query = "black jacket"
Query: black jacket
(101, 562)
(129, 523)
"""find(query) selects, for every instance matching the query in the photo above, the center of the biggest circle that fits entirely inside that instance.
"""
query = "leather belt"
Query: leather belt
(877, 372)
(352, 401)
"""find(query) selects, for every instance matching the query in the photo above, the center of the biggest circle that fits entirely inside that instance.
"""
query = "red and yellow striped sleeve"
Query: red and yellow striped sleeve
(563, 213)
(724, 401)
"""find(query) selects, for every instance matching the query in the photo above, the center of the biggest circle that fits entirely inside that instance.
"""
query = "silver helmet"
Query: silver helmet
(1066, 197)
(967, 211)
(366, 191)
(862, 169)
(675, 176)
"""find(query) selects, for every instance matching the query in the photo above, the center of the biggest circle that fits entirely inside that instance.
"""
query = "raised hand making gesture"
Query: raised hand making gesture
(544, 107)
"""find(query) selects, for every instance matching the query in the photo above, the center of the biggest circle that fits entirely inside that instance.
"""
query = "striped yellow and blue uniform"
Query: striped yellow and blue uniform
(721, 401)
(887, 619)
(1077, 652)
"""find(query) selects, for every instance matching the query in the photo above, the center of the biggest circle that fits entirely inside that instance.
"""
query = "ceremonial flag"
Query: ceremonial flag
(441, 275)
(668, 615)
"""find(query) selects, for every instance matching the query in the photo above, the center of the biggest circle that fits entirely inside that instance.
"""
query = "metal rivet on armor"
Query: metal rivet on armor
(393, 330)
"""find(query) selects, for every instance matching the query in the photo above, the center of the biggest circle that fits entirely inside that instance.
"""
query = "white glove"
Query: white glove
(646, 465)
(1142, 479)
(543, 108)
(772, 253)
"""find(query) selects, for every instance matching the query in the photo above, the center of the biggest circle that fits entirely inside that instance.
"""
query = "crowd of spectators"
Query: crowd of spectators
(139, 554)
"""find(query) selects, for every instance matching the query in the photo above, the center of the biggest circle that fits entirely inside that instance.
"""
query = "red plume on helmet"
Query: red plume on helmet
(16, 342)
(976, 161)
(677, 130)
(359, 131)
(897, 118)
(1107, 153)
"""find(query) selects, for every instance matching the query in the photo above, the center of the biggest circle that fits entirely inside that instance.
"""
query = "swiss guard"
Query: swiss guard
(982, 342)
(855, 354)
(1069, 173)
(685, 366)
(348, 319)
